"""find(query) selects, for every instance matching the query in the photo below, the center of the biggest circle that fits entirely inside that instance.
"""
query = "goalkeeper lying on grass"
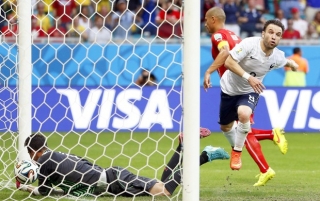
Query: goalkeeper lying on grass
(78, 177)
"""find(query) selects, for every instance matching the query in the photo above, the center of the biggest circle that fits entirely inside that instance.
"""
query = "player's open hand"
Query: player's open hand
(256, 84)
(206, 81)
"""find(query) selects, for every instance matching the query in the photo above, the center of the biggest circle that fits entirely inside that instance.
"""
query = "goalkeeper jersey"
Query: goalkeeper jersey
(74, 175)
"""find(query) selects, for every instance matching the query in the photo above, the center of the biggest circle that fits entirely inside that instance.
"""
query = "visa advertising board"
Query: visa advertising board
(155, 109)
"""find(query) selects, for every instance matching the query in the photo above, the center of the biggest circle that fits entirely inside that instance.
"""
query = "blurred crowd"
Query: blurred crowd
(102, 20)
(96, 20)
(301, 18)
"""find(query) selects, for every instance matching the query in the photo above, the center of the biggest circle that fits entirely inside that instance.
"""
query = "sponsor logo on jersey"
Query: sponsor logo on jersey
(239, 50)
(272, 65)
(253, 74)
(217, 37)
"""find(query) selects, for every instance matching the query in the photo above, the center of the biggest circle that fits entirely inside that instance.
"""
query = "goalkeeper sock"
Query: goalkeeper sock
(203, 158)
(175, 160)
(173, 181)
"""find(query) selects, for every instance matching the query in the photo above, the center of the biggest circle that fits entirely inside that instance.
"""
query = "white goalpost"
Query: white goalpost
(80, 82)
(191, 100)
(24, 76)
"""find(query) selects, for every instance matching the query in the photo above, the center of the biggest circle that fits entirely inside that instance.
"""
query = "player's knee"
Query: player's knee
(244, 113)
(226, 128)
(244, 127)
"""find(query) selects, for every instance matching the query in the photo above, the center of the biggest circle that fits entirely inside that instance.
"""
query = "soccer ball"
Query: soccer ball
(26, 171)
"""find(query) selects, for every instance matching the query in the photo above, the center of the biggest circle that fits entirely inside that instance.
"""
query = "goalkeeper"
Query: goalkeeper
(78, 177)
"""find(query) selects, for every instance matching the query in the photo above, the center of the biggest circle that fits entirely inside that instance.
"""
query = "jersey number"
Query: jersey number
(251, 98)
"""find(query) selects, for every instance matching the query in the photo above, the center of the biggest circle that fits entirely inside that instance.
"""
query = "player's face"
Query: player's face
(272, 35)
(209, 22)
(32, 155)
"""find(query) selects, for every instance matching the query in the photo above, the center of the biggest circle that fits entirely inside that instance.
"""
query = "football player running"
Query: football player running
(238, 97)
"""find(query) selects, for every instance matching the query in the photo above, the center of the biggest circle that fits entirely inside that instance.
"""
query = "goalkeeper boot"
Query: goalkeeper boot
(235, 162)
(280, 140)
(265, 177)
(204, 132)
(215, 153)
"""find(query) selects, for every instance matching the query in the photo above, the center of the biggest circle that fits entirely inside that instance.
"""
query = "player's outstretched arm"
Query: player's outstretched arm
(34, 190)
(218, 62)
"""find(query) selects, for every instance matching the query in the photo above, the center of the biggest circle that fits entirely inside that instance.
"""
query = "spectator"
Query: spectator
(219, 3)
(36, 30)
(122, 20)
(2, 16)
(106, 14)
(287, 5)
(265, 15)
(11, 29)
(313, 7)
(77, 30)
(148, 15)
(298, 23)
(57, 31)
(102, 3)
(43, 20)
(65, 10)
(9, 6)
(146, 79)
(280, 16)
(85, 3)
(84, 17)
(48, 6)
(134, 5)
(168, 20)
(316, 22)
(250, 20)
(99, 33)
(290, 32)
(207, 4)
(311, 32)
(298, 78)
(232, 12)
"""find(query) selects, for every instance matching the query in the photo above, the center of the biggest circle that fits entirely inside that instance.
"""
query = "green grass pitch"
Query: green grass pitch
(297, 172)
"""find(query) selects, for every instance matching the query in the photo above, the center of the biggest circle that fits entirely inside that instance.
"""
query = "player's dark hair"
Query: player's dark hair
(296, 50)
(35, 142)
(275, 22)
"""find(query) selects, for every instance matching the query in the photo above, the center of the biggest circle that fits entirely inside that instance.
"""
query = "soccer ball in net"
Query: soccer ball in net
(26, 171)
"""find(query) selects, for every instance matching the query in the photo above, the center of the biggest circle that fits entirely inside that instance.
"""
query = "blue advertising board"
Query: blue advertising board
(156, 109)
(95, 65)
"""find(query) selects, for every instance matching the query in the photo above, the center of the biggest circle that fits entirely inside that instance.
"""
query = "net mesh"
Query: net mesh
(106, 83)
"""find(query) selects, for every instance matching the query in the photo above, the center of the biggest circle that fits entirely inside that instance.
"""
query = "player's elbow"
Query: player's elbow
(228, 62)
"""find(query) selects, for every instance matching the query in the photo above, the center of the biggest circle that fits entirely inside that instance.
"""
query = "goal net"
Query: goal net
(106, 83)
